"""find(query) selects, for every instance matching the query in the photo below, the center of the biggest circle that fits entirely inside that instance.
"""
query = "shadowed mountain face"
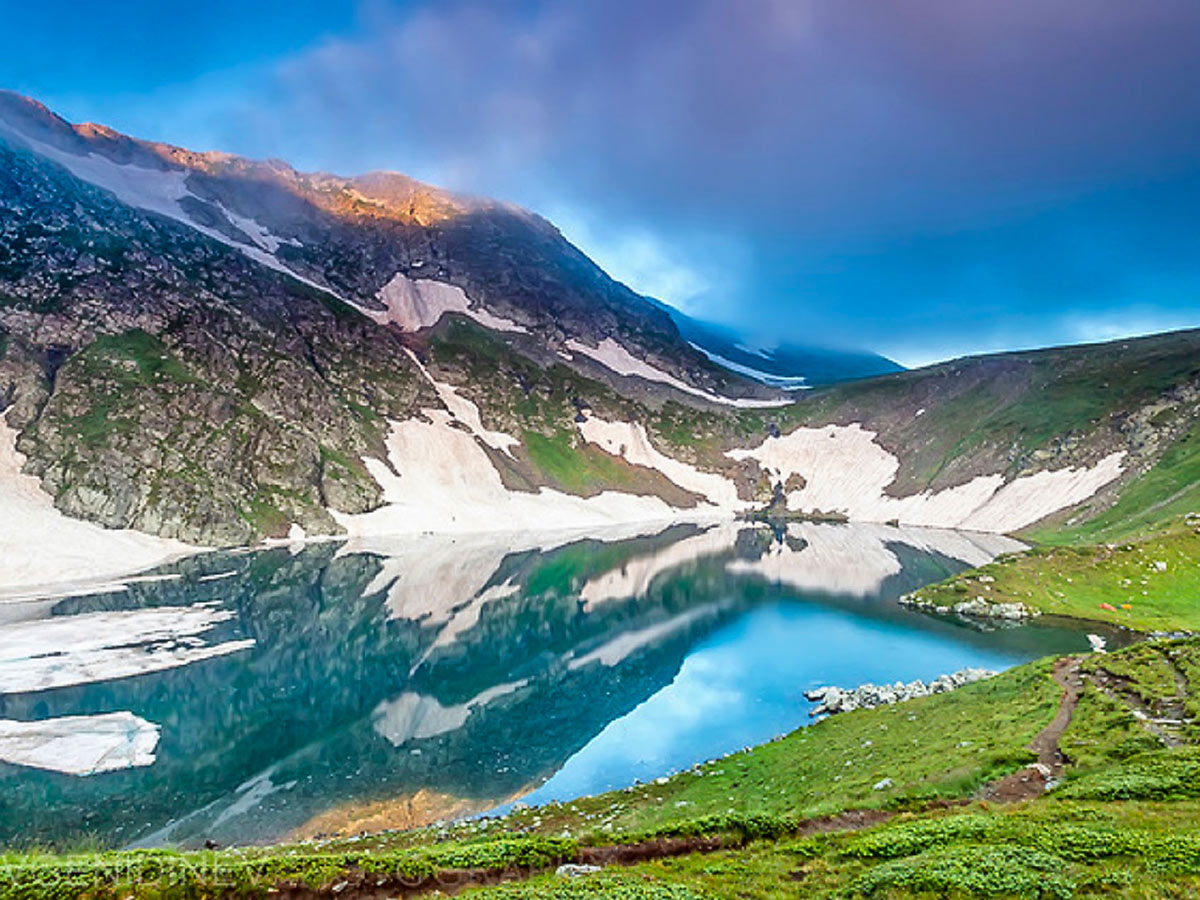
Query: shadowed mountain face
(786, 365)
(351, 236)
(340, 687)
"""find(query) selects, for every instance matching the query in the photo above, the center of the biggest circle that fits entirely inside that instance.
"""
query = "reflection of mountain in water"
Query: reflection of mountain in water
(340, 686)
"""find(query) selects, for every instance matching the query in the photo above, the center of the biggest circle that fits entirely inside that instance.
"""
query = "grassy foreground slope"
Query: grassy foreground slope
(1147, 584)
(932, 798)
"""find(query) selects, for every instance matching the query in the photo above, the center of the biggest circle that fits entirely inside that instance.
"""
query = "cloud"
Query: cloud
(891, 174)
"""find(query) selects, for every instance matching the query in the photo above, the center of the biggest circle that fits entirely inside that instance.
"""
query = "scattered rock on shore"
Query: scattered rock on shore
(832, 700)
(978, 607)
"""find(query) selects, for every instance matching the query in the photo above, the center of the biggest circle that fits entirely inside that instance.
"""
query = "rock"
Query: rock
(882, 785)
(978, 607)
(575, 870)
(868, 696)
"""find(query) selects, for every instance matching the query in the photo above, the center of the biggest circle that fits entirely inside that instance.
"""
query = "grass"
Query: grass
(581, 470)
(253, 871)
(1147, 585)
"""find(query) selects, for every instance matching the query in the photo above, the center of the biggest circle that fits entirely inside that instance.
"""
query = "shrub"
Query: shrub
(983, 871)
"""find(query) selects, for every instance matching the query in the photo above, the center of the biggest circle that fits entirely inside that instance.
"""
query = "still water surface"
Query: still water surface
(333, 688)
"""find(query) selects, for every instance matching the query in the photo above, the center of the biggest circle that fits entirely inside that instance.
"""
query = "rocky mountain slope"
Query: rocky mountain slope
(215, 350)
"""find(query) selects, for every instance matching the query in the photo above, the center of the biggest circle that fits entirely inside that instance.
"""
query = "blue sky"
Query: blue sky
(924, 178)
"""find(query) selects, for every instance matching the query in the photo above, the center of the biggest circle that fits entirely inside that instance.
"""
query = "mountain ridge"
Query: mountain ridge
(324, 375)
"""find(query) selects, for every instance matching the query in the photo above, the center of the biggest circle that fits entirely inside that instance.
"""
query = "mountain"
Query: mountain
(198, 349)
(787, 366)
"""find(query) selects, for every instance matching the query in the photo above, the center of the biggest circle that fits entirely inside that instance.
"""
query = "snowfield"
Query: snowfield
(416, 303)
(846, 471)
(41, 546)
(616, 358)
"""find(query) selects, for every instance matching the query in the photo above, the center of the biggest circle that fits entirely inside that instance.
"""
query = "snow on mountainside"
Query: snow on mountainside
(197, 349)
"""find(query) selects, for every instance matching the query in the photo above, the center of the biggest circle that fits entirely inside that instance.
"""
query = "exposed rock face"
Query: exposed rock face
(832, 700)
(165, 383)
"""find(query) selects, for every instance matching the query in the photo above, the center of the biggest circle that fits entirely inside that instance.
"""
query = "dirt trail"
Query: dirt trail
(1032, 781)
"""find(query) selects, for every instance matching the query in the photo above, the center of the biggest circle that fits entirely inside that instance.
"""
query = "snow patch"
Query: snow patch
(466, 412)
(416, 303)
(783, 382)
(80, 745)
(160, 191)
(1028, 498)
(441, 480)
(256, 231)
(629, 441)
(613, 356)
(41, 546)
(847, 472)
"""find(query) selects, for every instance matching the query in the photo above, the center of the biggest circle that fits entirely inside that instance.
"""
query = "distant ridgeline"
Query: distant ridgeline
(199, 349)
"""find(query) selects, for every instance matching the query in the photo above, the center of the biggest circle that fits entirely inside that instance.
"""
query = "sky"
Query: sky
(923, 178)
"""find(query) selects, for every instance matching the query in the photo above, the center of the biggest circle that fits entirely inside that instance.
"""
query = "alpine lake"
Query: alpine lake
(330, 688)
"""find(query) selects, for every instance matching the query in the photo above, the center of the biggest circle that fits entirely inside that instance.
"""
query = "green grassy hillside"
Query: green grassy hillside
(1146, 584)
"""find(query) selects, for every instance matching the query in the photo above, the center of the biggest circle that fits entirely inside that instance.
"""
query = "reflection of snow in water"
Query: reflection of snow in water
(633, 578)
(67, 650)
(413, 716)
(476, 589)
(623, 645)
(840, 559)
(832, 558)
(80, 745)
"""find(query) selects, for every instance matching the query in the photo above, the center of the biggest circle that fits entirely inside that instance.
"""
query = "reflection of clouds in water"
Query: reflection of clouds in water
(704, 687)
(678, 659)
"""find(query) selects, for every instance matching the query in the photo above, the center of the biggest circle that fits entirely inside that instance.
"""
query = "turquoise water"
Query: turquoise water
(334, 688)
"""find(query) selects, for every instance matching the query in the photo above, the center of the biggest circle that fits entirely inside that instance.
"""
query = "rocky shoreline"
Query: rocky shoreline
(831, 700)
(978, 607)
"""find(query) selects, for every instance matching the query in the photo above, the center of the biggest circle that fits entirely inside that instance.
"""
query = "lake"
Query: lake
(327, 688)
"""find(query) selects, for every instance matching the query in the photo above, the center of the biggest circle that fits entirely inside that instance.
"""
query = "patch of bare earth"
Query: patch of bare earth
(1031, 782)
